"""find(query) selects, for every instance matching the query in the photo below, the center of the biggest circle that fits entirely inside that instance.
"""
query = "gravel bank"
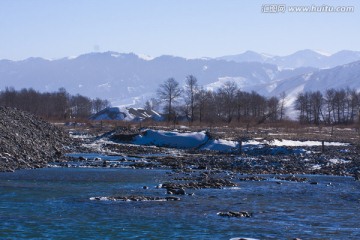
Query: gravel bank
(26, 141)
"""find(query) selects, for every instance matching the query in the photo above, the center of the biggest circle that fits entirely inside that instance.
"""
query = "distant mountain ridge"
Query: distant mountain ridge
(124, 78)
(303, 58)
(127, 78)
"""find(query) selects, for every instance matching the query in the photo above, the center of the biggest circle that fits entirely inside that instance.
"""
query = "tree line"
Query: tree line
(335, 106)
(52, 105)
(194, 103)
(227, 104)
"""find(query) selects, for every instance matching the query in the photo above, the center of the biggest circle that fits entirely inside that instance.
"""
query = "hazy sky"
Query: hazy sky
(187, 28)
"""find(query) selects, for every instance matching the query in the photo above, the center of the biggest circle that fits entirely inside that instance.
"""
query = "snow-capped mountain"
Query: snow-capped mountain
(345, 76)
(340, 77)
(127, 78)
(128, 114)
(303, 58)
(124, 78)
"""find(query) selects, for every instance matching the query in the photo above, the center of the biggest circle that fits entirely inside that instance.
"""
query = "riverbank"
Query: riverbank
(257, 156)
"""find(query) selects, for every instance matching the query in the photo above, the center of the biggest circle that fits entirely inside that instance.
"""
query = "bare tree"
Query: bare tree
(99, 104)
(169, 92)
(148, 106)
(61, 103)
(227, 99)
(329, 102)
(300, 105)
(282, 106)
(191, 89)
(354, 103)
(338, 106)
(201, 100)
(316, 101)
(273, 109)
(80, 106)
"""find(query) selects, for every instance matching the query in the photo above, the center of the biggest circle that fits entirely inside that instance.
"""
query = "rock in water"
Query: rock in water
(234, 214)
(26, 141)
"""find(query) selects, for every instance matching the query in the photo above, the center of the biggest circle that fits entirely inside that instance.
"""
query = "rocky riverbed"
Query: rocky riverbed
(335, 158)
(27, 141)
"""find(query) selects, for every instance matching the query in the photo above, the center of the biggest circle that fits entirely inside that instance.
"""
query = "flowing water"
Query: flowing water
(54, 203)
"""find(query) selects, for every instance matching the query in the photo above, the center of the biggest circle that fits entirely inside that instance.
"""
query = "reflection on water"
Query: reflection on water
(55, 203)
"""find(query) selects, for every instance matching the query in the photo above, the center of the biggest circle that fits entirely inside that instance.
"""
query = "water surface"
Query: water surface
(54, 203)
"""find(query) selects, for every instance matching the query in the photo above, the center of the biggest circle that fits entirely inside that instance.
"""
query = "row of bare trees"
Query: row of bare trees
(335, 106)
(52, 105)
(227, 104)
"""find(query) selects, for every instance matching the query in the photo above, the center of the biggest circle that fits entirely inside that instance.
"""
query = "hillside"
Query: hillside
(340, 77)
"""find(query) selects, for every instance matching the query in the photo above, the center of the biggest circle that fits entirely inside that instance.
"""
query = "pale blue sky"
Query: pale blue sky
(187, 28)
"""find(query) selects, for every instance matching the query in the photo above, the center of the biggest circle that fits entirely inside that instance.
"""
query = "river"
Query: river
(54, 203)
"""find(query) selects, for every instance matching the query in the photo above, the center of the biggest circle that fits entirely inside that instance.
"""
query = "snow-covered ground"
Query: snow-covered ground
(174, 142)
(292, 143)
(184, 140)
(172, 139)
(200, 140)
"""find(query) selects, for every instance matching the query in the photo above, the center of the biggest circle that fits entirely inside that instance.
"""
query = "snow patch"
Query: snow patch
(293, 143)
(145, 57)
(323, 53)
(338, 161)
(105, 86)
(115, 55)
(220, 145)
(239, 81)
(172, 139)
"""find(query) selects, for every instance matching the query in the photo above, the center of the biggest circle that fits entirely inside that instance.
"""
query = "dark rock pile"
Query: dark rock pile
(27, 141)
(208, 183)
(292, 178)
(252, 178)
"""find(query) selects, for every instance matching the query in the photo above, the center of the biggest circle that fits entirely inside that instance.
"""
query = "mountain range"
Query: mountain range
(303, 58)
(127, 78)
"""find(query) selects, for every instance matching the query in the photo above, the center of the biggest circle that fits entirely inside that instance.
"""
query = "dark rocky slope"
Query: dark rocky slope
(27, 141)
